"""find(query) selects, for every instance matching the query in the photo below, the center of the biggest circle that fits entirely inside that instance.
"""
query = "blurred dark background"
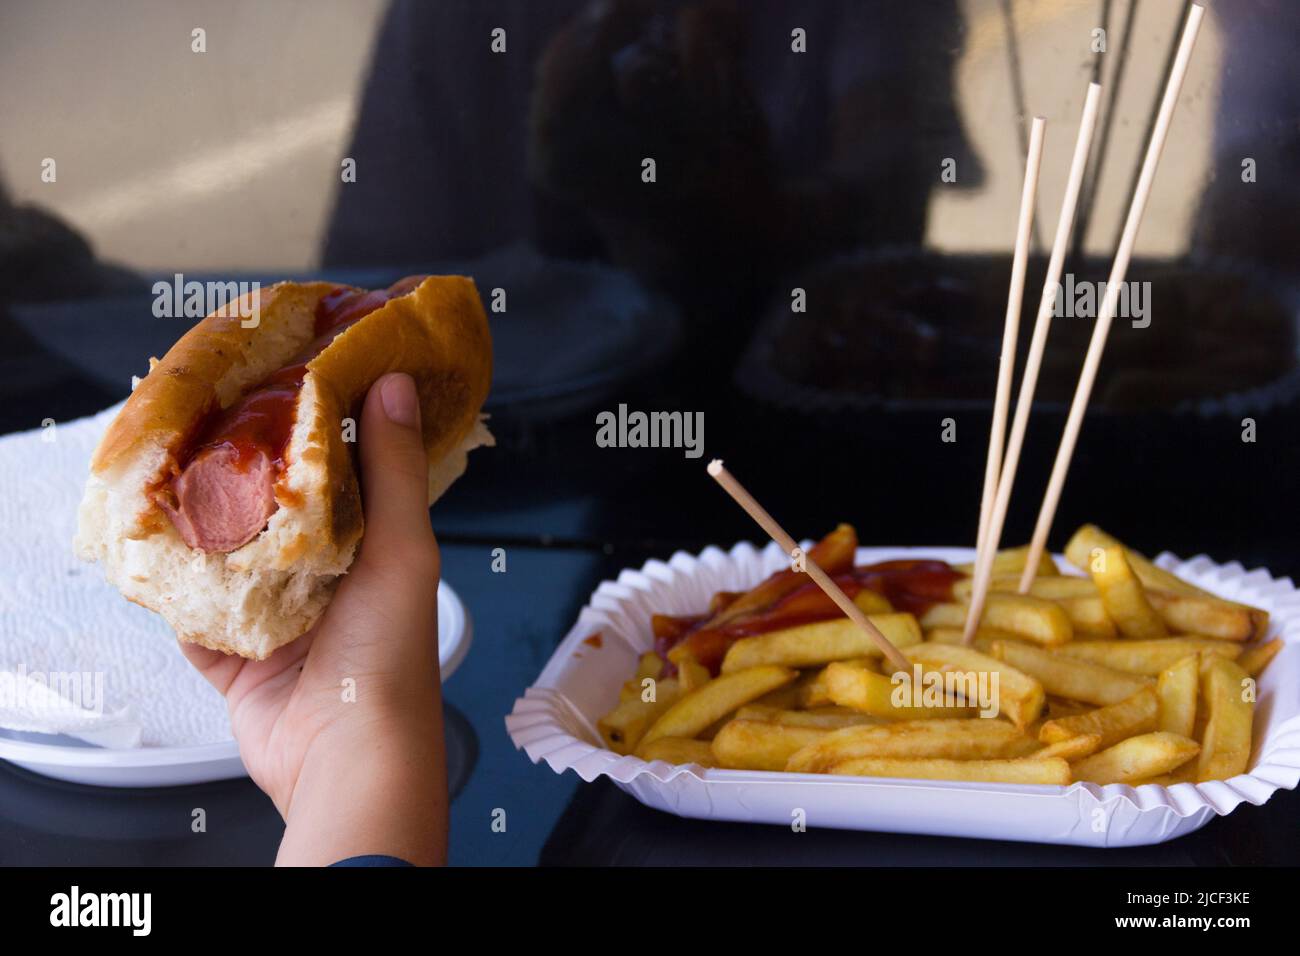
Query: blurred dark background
(775, 169)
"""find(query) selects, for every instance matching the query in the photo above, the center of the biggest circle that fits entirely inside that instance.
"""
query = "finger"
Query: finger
(230, 672)
(394, 466)
(220, 670)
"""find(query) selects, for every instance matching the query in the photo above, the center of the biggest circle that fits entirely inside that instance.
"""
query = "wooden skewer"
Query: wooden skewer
(1010, 329)
(790, 547)
(1118, 270)
(1033, 362)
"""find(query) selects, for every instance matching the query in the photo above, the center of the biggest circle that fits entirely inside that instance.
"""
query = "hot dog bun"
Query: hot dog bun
(269, 591)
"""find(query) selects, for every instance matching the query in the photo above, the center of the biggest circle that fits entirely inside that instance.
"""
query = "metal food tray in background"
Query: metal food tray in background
(904, 330)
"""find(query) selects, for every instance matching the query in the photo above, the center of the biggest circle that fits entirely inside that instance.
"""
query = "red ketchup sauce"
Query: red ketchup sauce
(262, 420)
(909, 585)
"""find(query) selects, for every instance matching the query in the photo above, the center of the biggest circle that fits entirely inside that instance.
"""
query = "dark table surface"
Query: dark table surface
(570, 514)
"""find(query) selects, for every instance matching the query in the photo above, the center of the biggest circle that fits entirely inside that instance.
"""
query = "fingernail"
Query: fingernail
(401, 404)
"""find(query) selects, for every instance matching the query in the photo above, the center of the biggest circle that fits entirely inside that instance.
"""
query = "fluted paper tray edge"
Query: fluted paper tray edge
(555, 722)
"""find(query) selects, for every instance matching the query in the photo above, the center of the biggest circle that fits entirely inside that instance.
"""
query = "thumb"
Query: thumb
(394, 467)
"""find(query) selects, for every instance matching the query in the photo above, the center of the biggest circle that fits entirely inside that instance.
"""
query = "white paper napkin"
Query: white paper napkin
(76, 657)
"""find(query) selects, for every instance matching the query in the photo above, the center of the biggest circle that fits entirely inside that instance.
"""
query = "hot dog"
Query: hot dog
(224, 494)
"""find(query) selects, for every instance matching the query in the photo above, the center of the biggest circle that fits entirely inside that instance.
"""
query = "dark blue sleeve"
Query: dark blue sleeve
(374, 859)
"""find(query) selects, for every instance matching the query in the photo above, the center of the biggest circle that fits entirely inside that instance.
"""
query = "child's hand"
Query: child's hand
(343, 727)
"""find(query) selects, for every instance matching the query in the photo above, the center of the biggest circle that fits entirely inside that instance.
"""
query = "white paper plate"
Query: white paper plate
(556, 721)
(65, 758)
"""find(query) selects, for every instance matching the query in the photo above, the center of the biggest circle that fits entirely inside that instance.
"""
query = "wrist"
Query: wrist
(370, 786)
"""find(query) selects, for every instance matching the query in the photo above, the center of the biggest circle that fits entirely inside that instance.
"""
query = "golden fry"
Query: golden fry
(1256, 658)
(1137, 758)
(1090, 538)
(1184, 774)
(1176, 688)
(679, 750)
(948, 738)
(1010, 561)
(1020, 697)
(811, 685)
(1088, 616)
(1072, 748)
(696, 711)
(826, 718)
(1051, 770)
(1146, 657)
(1058, 707)
(1226, 743)
(1029, 618)
(1067, 677)
(820, 643)
(1123, 597)
(1208, 616)
(1052, 588)
(880, 696)
(623, 727)
(1131, 716)
(692, 673)
(1154, 578)
(759, 745)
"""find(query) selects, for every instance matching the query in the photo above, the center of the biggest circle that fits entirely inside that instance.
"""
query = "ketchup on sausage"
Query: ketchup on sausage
(224, 492)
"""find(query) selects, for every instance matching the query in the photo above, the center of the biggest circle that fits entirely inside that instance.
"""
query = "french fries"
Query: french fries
(947, 738)
(759, 745)
(1258, 657)
(1184, 774)
(1176, 688)
(1052, 587)
(1129, 675)
(1207, 616)
(692, 674)
(1077, 597)
(648, 666)
(1067, 677)
(820, 643)
(1090, 538)
(1156, 579)
(1051, 770)
(877, 695)
(1058, 707)
(1122, 595)
(624, 726)
(984, 636)
(694, 712)
(679, 750)
(826, 718)
(1029, 618)
(1010, 561)
(1019, 696)
(1225, 688)
(1131, 760)
(1149, 658)
(1131, 716)
(1071, 748)
(1088, 615)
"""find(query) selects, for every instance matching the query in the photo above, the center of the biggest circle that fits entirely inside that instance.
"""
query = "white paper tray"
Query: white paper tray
(556, 719)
